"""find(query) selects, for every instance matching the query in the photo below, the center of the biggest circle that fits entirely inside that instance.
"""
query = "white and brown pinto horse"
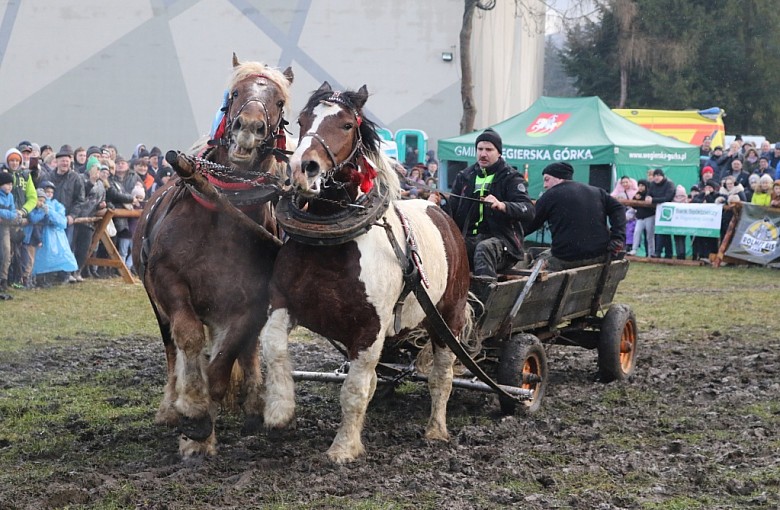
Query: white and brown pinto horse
(207, 274)
(347, 292)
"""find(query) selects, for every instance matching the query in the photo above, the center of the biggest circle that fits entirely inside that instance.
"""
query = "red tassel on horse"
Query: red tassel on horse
(368, 174)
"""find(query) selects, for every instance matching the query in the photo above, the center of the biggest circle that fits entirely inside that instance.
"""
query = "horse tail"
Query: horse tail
(467, 337)
(471, 343)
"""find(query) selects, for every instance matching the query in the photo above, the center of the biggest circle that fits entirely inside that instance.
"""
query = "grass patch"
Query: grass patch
(107, 308)
(668, 297)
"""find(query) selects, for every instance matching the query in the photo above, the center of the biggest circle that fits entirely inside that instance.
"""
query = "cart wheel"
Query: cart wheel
(617, 344)
(522, 359)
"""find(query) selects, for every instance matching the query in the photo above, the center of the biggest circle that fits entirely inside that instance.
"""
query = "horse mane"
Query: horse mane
(386, 173)
(246, 69)
(198, 146)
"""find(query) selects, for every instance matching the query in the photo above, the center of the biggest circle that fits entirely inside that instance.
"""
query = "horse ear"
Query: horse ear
(288, 73)
(325, 87)
(236, 63)
(361, 97)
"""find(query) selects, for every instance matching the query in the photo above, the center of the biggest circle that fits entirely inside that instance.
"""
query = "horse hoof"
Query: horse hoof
(168, 417)
(197, 429)
(193, 452)
(252, 425)
(341, 456)
(279, 415)
(437, 435)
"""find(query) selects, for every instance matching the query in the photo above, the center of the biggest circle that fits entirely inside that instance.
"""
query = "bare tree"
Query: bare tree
(637, 49)
(467, 76)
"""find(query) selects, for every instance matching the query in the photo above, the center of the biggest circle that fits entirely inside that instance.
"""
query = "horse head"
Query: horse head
(334, 141)
(254, 113)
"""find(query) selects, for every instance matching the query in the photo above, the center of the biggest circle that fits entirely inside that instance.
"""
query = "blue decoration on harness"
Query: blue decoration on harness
(218, 126)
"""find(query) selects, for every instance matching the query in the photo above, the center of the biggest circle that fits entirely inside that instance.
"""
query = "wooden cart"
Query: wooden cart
(516, 316)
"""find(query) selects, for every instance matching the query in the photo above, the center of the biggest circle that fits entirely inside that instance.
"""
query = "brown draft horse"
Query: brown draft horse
(347, 292)
(207, 275)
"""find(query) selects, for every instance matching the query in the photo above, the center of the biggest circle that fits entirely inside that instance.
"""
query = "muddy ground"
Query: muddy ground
(696, 427)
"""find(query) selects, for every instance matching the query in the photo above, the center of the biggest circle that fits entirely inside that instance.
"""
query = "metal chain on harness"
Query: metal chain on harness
(228, 173)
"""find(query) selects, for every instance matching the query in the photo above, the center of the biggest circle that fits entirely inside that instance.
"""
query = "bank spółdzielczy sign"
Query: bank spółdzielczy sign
(756, 236)
(702, 220)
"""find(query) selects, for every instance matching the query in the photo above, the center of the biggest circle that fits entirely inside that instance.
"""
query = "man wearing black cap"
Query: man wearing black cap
(26, 149)
(490, 204)
(69, 187)
(577, 215)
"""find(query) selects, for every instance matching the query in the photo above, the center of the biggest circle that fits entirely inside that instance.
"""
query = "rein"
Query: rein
(413, 283)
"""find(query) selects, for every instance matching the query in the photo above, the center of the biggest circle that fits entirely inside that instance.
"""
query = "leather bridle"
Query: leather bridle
(269, 142)
(336, 97)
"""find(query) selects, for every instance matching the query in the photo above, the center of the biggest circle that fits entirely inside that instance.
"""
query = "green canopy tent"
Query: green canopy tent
(600, 145)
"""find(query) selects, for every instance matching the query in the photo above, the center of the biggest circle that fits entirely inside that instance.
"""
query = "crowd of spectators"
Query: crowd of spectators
(420, 180)
(744, 173)
(44, 194)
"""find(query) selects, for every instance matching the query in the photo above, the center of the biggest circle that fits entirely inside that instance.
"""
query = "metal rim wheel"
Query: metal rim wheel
(523, 364)
(617, 344)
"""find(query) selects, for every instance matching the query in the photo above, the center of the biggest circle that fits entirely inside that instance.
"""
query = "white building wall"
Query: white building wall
(87, 72)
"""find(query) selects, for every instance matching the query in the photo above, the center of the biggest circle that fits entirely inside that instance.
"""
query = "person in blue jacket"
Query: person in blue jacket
(55, 254)
(8, 215)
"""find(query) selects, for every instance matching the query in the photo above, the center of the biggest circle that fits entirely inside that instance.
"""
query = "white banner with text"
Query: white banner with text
(701, 220)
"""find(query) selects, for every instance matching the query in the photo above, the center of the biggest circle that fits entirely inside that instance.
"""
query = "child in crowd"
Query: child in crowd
(681, 197)
(626, 189)
(138, 194)
(775, 197)
(703, 246)
(8, 215)
(55, 254)
(762, 195)
(164, 175)
(644, 215)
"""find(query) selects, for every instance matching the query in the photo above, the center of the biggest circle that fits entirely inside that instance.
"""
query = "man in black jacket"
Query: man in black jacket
(490, 204)
(577, 214)
(661, 190)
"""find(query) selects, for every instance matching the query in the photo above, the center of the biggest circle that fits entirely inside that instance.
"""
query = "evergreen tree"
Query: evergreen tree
(712, 53)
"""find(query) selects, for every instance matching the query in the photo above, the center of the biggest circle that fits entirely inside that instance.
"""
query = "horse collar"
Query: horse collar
(335, 229)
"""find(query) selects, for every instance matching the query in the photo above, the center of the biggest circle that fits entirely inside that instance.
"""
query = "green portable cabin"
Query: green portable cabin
(600, 145)
(384, 134)
(410, 139)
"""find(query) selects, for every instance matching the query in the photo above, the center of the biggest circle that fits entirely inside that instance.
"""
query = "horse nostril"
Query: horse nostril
(237, 124)
(311, 168)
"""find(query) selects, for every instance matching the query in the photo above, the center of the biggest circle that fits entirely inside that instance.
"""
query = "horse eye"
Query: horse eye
(234, 94)
(348, 126)
(280, 103)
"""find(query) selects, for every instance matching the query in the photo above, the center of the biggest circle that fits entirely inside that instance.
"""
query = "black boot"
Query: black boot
(3, 285)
